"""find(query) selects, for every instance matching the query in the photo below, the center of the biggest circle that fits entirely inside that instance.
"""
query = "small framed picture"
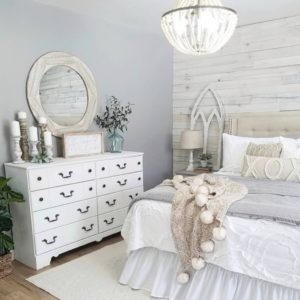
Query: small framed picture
(83, 144)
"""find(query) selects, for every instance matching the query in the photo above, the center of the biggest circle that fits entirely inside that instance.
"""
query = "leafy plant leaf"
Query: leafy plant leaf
(5, 222)
(6, 242)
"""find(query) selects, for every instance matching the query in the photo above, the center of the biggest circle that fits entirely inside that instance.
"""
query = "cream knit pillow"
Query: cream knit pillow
(269, 150)
(287, 169)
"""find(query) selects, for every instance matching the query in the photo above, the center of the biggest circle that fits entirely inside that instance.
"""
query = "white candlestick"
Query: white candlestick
(22, 115)
(15, 128)
(48, 138)
(17, 151)
(42, 120)
(33, 134)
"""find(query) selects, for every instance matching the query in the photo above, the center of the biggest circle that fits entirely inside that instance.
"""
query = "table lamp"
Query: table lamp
(191, 140)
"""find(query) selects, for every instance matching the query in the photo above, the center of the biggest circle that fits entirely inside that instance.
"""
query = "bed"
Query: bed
(259, 259)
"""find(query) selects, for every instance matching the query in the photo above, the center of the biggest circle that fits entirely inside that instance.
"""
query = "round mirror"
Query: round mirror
(63, 95)
(61, 88)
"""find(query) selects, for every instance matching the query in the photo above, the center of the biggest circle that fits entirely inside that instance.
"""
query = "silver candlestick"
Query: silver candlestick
(34, 150)
(49, 152)
(17, 151)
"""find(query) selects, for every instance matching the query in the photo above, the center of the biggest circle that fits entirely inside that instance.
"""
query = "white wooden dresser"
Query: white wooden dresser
(71, 202)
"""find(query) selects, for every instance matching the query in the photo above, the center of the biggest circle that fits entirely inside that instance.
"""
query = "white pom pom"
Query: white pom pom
(206, 217)
(219, 233)
(183, 278)
(198, 263)
(198, 181)
(207, 246)
(178, 178)
(201, 199)
(203, 190)
(193, 188)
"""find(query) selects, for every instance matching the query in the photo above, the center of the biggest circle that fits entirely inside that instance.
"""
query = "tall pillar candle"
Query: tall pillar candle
(15, 129)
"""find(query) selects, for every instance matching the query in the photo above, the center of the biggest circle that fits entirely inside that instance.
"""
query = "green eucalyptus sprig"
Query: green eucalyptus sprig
(41, 158)
(205, 156)
(115, 116)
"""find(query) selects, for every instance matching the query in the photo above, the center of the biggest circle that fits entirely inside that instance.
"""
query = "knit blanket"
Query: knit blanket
(199, 207)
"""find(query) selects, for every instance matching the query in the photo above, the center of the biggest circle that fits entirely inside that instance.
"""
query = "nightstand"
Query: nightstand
(191, 173)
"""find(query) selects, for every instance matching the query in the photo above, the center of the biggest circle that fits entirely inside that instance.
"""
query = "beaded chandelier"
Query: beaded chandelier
(199, 27)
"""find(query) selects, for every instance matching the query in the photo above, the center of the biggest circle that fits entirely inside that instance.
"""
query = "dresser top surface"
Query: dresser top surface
(61, 161)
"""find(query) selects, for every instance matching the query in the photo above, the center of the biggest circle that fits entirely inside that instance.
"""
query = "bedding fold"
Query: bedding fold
(278, 201)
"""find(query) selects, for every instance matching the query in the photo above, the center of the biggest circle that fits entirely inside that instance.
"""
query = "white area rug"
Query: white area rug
(91, 277)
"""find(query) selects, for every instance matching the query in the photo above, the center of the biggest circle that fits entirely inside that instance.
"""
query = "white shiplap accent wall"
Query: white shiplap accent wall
(257, 71)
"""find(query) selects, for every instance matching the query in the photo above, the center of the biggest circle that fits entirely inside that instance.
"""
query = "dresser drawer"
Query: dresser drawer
(54, 217)
(119, 166)
(64, 235)
(61, 175)
(111, 220)
(119, 183)
(43, 199)
(118, 200)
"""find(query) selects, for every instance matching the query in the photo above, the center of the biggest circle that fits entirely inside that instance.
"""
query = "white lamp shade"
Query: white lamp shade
(191, 139)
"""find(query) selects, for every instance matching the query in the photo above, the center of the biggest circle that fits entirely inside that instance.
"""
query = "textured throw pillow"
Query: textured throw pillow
(268, 150)
(234, 151)
(273, 168)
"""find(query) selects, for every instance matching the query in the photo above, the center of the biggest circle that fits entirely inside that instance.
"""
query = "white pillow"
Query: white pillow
(234, 150)
(290, 148)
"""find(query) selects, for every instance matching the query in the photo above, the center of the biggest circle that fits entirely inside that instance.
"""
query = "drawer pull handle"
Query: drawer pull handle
(122, 168)
(66, 176)
(139, 163)
(90, 189)
(111, 204)
(52, 242)
(139, 179)
(90, 171)
(124, 183)
(67, 196)
(84, 211)
(88, 229)
(54, 220)
(41, 199)
(103, 169)
(39, 178)
(132, 197)
(109, 222)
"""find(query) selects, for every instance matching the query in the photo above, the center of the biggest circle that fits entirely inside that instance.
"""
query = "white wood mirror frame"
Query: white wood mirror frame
(39, 68)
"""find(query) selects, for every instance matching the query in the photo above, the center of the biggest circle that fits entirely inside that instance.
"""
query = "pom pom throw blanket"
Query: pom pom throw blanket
(199, 207)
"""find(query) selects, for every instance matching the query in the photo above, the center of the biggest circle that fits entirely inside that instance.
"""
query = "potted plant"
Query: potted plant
(204, 159)
(114, 119)
(7, 196)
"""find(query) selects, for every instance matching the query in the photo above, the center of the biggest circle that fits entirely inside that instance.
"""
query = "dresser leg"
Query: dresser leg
(42, 261)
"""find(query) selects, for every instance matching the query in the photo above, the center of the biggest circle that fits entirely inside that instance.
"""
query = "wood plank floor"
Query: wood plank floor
(15, 287)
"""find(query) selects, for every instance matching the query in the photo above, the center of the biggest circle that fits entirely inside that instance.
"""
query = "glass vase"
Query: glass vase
(115, 142)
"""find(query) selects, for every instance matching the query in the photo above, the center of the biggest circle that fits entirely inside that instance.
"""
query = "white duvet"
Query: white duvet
(263, 249)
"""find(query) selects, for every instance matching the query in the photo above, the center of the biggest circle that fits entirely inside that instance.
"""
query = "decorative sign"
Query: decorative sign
(83, 144)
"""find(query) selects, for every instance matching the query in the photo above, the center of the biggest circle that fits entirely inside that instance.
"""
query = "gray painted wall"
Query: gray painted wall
(130, 64)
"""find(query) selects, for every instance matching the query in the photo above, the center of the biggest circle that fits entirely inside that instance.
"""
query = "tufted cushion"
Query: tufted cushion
(268, 150)
(273, 168)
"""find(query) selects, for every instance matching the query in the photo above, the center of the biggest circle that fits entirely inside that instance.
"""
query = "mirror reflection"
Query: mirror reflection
(63, 95)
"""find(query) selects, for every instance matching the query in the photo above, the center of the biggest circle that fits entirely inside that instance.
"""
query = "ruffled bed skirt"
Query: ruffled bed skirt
(155, 271)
